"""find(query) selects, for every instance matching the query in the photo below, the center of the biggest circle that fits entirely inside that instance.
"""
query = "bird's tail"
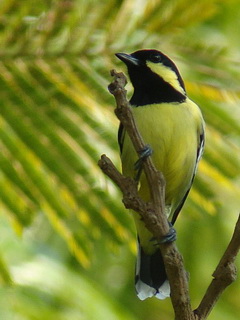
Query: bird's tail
(151, 279)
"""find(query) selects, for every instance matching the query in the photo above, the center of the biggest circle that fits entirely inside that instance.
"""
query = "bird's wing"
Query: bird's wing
(121, 134)
(198, 157)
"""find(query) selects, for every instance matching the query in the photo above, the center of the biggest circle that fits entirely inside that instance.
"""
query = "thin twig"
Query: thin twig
(223, 276)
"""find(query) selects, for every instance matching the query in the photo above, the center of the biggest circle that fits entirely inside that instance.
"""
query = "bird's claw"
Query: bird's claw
(169, 237)
(143, 154)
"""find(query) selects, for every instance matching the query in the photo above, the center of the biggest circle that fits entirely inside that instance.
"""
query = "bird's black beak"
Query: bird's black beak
(128, 59)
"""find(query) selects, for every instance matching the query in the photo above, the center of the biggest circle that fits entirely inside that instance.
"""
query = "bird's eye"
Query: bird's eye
(155, 58)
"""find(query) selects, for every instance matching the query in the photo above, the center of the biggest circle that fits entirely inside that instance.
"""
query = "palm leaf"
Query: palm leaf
(56, 116)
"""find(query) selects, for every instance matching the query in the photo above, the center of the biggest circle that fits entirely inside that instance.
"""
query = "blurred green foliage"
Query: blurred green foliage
(67, 244)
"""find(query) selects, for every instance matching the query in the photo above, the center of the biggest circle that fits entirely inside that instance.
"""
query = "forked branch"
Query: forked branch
(155, 220)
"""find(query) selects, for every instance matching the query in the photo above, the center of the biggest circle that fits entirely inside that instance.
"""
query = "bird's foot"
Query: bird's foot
(138, 166)
(169, 237)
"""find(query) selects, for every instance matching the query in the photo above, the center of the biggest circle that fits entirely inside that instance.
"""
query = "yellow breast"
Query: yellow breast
(172, 130)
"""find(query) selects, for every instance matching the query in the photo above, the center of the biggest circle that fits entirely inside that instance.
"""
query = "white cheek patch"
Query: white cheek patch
(167, 74)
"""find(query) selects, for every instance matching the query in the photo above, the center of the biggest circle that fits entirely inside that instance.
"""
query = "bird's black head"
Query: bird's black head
(154, 76)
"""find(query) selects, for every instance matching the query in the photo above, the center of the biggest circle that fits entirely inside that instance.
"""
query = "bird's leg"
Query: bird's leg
(169, 237)
(138, 166)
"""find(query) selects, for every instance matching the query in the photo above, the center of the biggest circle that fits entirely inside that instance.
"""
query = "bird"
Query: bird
(173, 127)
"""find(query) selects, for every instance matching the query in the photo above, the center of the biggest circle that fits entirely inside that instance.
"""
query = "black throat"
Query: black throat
(151, 88)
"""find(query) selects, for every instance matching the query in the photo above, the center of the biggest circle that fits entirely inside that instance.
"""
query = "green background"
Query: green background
(67, 245)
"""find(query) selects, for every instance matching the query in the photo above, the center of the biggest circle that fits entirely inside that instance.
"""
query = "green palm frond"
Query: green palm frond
(56, 115)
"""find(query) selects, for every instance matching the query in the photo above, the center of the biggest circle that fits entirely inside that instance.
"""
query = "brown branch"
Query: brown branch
(127, 185)
(153, 213)
(155, 220)
(223, 276)
(154, 177)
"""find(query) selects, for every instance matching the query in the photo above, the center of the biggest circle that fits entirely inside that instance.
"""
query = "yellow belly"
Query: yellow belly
(172, 131)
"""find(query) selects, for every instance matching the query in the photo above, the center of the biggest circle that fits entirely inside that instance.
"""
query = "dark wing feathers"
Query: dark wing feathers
(121, 134)
(198, 157)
